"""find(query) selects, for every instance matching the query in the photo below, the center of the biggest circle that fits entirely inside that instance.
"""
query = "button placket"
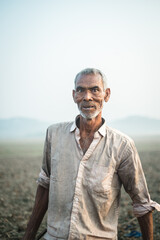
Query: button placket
(77, 198)
(78, 192)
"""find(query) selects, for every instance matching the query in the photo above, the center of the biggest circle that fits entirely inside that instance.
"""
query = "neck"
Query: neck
(90, 125)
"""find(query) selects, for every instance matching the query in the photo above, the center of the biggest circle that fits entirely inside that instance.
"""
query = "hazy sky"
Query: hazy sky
(43, 44)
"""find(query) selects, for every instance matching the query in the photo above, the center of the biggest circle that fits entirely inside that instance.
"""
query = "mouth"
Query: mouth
(88, 107)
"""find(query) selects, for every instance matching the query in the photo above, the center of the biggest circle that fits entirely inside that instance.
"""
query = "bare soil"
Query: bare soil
(20, 164)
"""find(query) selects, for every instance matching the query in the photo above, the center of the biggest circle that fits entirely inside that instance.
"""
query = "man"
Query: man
(84, 166)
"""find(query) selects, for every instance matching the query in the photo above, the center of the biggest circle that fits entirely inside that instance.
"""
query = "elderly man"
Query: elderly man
(84, 166)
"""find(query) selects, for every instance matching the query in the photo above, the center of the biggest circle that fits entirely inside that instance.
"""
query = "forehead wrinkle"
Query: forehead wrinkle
(86, 82)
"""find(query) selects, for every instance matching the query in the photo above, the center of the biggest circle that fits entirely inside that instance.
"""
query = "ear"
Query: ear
(73, 95)
(107, 94)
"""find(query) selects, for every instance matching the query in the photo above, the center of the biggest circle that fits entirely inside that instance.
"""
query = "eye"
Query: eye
(95, 90)
(79, 90)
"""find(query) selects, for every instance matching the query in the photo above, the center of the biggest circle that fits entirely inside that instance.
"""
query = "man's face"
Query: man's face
(90, 95)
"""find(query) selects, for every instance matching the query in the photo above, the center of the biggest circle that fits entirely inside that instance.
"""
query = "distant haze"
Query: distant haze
(45, 43)
(25, 128)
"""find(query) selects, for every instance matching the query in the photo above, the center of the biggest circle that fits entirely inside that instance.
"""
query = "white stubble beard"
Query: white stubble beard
(90, 115)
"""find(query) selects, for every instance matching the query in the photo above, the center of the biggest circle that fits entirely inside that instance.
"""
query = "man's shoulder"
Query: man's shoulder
(114, 133)
(62, 126)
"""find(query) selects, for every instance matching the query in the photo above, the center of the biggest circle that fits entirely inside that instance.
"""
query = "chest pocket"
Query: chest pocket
(99, 178)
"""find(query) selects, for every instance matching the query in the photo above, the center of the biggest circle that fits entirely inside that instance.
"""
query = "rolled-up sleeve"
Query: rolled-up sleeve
(131, 174)
(44, 175)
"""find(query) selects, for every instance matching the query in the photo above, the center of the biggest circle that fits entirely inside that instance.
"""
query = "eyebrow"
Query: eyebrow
(90, 88)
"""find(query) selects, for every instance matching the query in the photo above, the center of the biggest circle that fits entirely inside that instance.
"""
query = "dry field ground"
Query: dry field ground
(20, 163)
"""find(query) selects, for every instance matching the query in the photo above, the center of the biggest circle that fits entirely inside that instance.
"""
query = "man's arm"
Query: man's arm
(146, 225)
(39, 210)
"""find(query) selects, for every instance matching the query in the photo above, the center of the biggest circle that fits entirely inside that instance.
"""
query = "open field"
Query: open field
(20, 163)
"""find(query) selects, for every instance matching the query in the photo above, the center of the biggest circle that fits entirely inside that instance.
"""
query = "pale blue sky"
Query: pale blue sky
(43, 45)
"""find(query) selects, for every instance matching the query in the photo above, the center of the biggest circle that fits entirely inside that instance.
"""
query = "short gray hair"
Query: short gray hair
(93, 71)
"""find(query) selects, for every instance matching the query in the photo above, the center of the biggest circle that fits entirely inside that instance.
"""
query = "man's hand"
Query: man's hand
(39, 210)
(146, 225)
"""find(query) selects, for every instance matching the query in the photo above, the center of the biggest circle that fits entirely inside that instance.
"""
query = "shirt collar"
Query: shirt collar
(101, 130)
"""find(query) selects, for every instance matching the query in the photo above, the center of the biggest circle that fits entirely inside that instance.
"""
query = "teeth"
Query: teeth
(87, 107)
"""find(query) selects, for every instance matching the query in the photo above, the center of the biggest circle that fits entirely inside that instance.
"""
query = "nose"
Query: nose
(87, 96)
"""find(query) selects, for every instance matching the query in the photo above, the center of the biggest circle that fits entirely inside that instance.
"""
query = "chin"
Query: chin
(89, 116)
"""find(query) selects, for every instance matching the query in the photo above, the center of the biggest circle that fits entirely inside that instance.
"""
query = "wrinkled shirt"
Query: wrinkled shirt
(84, 189)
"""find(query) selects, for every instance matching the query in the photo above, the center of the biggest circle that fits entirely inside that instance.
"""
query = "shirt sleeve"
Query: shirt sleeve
(132, 176)
(44, 175)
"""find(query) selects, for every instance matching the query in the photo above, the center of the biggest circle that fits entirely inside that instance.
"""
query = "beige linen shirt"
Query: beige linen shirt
(84, 189)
